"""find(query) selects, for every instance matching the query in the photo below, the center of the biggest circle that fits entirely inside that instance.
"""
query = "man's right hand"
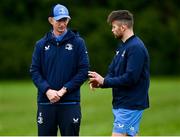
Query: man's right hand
(95, 80)
(52, 95)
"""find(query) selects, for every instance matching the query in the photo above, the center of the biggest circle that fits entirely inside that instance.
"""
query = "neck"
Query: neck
(127, 34)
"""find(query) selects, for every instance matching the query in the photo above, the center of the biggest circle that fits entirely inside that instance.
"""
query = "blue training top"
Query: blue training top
(60, 63)
(129, 76)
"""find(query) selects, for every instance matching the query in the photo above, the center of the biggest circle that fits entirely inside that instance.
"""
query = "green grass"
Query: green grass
(18, 109)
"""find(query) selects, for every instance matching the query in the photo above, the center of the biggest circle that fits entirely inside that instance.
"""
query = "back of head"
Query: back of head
(123, 16)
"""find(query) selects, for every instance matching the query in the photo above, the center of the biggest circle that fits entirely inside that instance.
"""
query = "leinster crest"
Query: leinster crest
(40, 118)
(69, 46)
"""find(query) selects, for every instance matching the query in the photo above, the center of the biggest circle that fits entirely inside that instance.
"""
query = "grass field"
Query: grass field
(18, 109)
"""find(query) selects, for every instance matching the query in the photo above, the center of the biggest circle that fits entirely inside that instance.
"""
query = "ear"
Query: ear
(67, 21)
(50, 19)
(124, 27)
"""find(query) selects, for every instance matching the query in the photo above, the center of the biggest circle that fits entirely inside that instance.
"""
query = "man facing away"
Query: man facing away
(59, 67)
(128, 76)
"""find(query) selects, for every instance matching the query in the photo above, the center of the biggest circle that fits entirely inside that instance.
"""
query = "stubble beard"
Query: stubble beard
(118, 36)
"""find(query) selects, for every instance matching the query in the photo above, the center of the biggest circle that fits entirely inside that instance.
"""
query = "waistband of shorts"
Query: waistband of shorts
(59, 103)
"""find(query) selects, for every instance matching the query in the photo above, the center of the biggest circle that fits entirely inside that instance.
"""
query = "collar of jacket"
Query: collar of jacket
(69, 35)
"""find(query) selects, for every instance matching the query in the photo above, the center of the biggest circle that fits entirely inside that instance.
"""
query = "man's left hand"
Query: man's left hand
(62, 91)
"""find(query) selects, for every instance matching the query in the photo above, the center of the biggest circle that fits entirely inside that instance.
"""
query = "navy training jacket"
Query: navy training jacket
(57, 64)
(129, 76)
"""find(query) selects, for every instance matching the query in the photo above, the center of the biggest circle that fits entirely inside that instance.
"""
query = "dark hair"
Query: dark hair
(122, 15)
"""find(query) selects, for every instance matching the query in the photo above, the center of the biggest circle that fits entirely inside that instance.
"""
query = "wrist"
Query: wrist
(102, 82)
(47, 91)
(64, 88)
(62, 91)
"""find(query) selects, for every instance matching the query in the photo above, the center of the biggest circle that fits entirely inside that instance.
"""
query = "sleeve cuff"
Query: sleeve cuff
(44, 89)
(67, 87)
(105, 84)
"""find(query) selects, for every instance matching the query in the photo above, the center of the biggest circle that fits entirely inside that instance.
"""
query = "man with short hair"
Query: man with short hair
(128, 76)
(59, 67)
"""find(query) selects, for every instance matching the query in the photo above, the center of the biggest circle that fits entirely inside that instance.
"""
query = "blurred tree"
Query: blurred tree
(157, 22)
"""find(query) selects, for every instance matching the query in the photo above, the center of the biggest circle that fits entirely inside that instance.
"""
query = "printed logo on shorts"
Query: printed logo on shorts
(121, 125)
(75, 120)
(132, 128)
(40, 118)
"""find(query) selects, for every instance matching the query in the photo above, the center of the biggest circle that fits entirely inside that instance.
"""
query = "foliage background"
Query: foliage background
(22, 23)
